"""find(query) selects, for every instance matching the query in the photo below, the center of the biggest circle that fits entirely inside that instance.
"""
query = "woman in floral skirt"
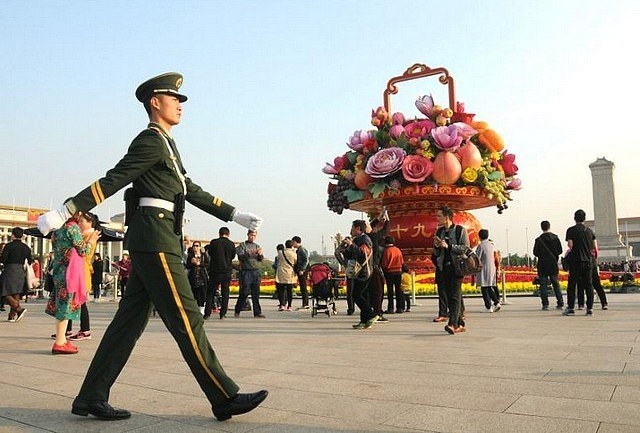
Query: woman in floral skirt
(69, 280)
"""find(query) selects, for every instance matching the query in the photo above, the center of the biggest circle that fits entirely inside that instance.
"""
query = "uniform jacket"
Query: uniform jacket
(149, 167)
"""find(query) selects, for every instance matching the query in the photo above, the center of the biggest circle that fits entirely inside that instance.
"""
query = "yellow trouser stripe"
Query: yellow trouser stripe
(187, 325)
(217, 201)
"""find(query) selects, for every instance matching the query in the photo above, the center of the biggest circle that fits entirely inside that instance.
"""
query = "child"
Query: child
(405, 285)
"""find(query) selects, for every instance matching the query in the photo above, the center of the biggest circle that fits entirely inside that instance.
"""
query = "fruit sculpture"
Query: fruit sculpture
(414, 165)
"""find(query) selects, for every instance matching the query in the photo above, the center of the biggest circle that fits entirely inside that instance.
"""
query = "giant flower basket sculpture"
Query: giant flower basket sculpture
(414, 166)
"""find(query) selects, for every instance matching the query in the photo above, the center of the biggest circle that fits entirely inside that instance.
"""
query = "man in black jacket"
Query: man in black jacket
(547, 248)
(221, 251)
(582, 243)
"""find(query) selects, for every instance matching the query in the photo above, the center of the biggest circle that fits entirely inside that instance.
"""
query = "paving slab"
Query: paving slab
(517, 370)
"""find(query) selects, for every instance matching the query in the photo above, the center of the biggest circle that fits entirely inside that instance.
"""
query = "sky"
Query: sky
(276, 88)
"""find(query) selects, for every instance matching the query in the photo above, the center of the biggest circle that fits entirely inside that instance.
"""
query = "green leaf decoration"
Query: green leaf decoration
(495, 175)
(377, 188)
(353, 195)
(352, 156)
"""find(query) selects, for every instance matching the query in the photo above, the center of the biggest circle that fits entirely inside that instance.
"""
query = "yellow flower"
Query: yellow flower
(469, 175)
(448, 112)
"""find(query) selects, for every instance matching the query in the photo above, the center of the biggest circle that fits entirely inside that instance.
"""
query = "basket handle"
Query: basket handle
(419, 70)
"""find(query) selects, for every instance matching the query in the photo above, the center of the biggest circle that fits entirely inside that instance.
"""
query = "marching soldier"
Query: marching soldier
(155, 205)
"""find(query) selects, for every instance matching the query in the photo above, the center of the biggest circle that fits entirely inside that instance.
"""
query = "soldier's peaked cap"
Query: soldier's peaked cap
(167, 84)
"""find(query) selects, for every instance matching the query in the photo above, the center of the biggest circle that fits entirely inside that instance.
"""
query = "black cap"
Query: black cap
(167, 84)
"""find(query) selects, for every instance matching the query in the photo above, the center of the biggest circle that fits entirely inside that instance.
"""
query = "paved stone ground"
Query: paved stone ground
(518, 370)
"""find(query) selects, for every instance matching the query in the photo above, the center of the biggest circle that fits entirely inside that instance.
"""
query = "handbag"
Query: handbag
(361, 271)
(467, 263)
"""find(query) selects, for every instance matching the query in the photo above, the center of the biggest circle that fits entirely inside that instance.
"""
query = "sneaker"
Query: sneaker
(440, 319)
(580, 307)
(488, 310)
(11, 319)
(289, 309)
(497, 307)
(304, 307)
(605, 307)
(568, 312)
(21, 314)
(259, 316)
(359, 326)
(382, 319)
(280, 308)
(372, 321)
(545, 307)
(236, 314)
(64, 349)
(559, 306)
(66, 334)
(589, 312)
(82, 335)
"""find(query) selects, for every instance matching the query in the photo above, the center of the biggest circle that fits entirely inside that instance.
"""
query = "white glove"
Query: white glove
(247, 219)
(53, 220)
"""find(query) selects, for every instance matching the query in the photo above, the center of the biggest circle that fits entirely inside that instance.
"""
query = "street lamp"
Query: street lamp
(526, 233)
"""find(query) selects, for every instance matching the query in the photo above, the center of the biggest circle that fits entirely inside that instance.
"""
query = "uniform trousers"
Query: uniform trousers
(158, 279)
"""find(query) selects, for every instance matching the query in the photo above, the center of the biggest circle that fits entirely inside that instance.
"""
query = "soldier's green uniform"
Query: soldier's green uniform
(155, 248)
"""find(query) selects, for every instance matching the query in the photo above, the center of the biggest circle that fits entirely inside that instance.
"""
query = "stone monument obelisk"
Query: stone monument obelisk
(610, 245)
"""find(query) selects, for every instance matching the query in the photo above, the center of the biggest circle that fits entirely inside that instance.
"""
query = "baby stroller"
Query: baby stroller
(322, 298)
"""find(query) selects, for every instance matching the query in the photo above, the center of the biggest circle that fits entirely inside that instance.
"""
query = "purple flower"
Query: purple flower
(385, 162)
(515, 185)
(357, 140)
(447, 137)
(464, 130)
(425, 104)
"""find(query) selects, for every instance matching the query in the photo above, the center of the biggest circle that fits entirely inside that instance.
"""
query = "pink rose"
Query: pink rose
(397, 118)
(396, 131)
(385, 162)
(416, 168)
